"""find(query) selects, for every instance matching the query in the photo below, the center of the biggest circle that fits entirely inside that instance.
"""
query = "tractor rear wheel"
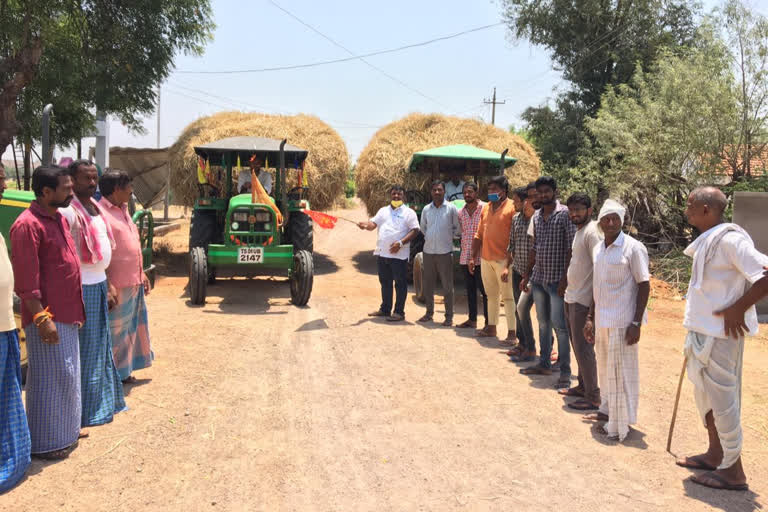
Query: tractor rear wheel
(300, 232)
(418, 277)
(198, 275)
(203, 228)
(417, 245)
(302, 277)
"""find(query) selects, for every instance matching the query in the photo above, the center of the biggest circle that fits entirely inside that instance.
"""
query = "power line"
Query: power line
(335, 43)
(336, 61)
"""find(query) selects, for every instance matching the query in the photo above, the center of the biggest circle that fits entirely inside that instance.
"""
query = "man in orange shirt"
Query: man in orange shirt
(489, 248)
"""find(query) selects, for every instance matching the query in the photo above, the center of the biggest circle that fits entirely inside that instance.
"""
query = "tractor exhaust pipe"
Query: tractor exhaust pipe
(47, 150)
(503, 156)
(283, 184)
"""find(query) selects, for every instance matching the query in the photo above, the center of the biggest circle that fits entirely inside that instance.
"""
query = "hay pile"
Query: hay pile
(383, 162)
(327, 164)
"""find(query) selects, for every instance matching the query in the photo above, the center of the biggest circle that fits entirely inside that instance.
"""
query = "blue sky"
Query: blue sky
(456, 75)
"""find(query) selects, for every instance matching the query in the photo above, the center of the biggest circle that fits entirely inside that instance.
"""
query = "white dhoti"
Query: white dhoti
(618, 371)
(714, 368)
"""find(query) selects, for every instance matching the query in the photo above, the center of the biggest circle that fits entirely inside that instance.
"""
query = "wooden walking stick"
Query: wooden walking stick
(677, 402)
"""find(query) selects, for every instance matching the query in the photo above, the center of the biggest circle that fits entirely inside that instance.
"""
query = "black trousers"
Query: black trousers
(473, 283)
(392, 270)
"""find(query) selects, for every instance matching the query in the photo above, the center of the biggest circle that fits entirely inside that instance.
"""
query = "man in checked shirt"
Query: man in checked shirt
(547, 272)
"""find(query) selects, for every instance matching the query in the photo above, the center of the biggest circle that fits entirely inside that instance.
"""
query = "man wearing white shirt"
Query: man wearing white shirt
(244, 178)
(397, 225)
(440, 224)
(454, 188)
(621, 286)
(727, 279)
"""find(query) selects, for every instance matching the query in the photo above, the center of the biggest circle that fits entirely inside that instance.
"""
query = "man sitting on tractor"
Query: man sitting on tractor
(244, 178)
(454, 187)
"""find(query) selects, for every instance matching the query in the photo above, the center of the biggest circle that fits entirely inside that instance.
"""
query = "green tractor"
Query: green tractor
(240, 234)
(441, 163)
(16, 201)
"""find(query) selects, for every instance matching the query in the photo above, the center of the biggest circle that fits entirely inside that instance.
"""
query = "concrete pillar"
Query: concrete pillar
(750, 210)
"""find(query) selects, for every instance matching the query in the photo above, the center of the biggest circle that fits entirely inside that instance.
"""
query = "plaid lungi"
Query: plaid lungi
(101, 386)
(14, 432)
(130, 332)
(618, 367)
(53, 389)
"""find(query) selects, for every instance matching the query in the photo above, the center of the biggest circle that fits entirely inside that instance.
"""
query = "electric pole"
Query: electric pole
(493, 102)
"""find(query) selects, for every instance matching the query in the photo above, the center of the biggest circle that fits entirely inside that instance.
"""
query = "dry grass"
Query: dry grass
(383, 162)
(326, 166)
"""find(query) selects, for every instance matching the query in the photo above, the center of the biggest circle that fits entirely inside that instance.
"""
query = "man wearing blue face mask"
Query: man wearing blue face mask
(489, 250)
(397, 225)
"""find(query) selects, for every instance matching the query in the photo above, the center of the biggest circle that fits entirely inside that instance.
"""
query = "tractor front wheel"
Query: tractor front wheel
(198, 275)
(418, 277)
(302, 277)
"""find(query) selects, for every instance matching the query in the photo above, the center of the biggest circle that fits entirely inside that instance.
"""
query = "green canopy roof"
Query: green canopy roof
(458, 156)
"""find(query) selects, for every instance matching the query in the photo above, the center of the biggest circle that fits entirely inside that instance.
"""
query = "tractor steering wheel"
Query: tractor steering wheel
(456, 195)
(414, 196)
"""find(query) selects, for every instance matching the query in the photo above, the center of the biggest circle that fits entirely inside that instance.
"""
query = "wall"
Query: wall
(750, 211)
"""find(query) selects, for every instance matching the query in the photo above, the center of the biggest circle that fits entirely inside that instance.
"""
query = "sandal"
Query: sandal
(695, 462)
(58, 454)
(571, 392)
(583, 405)
(715, 481)
(598, 416)
(536, 370)
(522, 358)
(484, 333)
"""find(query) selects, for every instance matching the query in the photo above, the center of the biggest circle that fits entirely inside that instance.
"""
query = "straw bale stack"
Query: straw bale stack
(383, 162)
(327, 164)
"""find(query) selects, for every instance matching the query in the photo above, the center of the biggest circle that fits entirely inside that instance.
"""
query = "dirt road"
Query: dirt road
(253, 404)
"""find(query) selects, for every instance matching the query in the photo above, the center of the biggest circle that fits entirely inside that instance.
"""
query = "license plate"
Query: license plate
(250, 255)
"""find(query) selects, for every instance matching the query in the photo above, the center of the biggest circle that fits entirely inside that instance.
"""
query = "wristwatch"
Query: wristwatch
(636, 324)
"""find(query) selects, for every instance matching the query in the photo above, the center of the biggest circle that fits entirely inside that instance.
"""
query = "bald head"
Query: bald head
(711, 197)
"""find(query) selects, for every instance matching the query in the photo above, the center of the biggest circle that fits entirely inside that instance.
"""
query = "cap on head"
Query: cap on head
(611, 206)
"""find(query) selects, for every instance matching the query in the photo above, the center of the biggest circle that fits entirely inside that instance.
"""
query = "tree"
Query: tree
(661, 135)
(747, 34)
(594, 44)
(88, 56)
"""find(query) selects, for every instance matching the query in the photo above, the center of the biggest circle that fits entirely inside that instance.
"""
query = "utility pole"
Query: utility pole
(493, 102)
(167, 199)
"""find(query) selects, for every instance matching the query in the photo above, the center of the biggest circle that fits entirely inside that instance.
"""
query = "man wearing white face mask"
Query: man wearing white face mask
(397, 225)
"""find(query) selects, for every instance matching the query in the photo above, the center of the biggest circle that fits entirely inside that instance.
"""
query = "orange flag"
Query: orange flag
(322, 219)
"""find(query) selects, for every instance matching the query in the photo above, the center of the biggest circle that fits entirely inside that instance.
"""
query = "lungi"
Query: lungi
(101, 386)
(714, 368)
(14, 431)
(130, 332)
(618, 369)
(53, 396)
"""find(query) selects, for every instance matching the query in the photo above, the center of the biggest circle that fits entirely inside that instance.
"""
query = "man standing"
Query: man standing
(454, 188)
(101, 387)
(469, 220)
(397, 225)
(491, 243)
(547, 271)
(621, 284)
(14, 431)
(47, 279)
(727, 279)
(520, 245)
(578, 300)
(439, 223)
(129, 327)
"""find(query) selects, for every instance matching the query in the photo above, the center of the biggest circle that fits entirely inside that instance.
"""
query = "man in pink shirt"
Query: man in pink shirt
(128, 320)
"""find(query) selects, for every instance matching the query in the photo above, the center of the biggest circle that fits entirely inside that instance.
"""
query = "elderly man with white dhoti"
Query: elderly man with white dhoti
(621, 286)
(727, 279)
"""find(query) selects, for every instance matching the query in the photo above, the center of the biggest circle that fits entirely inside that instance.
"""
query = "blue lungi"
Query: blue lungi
(53, 389)
(101, 386)
(14, 432)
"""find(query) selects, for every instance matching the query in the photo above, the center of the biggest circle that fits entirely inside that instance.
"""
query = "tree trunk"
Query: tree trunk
(27, 163)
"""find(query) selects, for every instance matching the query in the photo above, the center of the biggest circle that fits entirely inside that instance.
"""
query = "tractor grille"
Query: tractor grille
(252, 239)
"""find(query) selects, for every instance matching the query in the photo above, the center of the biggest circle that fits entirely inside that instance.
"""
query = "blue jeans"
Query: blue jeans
(393, 269)
(550, 311)
(524, 325)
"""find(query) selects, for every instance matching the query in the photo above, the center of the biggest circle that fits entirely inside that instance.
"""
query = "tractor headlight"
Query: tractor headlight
(235, 226)
(267, 227)
(240, 216)
(263, 216)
